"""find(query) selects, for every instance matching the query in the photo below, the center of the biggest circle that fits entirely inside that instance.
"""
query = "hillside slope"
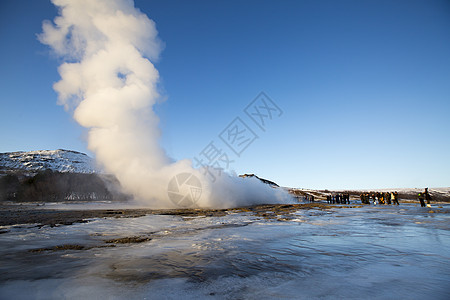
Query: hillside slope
(56, 160)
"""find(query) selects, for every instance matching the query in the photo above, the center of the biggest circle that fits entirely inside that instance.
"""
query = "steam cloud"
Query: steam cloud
(109, 80)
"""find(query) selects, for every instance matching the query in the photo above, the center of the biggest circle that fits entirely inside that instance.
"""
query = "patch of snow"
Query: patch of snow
(56, 160)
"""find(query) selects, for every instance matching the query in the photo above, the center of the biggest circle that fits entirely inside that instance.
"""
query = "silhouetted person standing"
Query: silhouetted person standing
(380, 197)
(421, 199)
(395, 198)
(427, 197)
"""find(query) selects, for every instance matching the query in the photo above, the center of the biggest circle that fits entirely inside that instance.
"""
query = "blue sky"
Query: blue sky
(364, 86)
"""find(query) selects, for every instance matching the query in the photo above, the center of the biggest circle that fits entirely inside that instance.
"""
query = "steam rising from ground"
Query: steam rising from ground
(109, 80)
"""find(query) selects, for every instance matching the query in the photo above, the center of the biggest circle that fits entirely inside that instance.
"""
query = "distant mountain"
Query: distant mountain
(54, 176)
(262, 179)
(56, 160)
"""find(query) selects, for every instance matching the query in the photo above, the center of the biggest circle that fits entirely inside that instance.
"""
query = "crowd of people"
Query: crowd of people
(338, 199)
(381, 198)
(387, 198)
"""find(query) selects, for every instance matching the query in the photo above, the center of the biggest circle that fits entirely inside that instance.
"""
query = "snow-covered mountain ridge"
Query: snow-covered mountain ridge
(56, 160)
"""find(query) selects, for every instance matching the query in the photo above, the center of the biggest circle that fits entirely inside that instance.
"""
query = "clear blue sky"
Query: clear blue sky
(364, 86)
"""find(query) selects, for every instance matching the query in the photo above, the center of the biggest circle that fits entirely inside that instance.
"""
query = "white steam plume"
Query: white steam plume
(109, 80)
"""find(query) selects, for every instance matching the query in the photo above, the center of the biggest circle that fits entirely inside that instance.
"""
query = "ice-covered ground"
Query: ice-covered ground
(365, 252)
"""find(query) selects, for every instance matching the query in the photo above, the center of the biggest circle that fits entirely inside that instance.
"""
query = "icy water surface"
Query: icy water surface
(358, 253)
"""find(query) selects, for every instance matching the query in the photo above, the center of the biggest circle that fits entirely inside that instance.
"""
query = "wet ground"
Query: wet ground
(265, 252)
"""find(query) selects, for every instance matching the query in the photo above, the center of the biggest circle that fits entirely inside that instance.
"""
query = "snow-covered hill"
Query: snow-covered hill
(57, 160)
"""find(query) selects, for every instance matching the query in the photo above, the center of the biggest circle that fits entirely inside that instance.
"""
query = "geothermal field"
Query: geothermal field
(153, 207)
(300, 251)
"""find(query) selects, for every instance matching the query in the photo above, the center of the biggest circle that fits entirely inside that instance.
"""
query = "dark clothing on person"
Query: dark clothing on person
(421, 199)
(388, 198)
(380, 198)
(365, 199)
(347, 198)
(427, 196)
(395, 199)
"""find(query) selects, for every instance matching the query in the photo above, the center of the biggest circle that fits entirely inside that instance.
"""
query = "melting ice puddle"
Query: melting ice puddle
(343, 253)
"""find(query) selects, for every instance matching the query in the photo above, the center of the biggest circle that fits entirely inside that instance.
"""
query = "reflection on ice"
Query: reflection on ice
(368, 252)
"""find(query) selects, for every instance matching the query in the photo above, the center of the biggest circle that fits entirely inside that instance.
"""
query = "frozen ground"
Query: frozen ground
(358, 253)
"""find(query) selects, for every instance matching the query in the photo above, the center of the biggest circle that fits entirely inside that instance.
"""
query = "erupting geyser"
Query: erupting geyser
(109, 80)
